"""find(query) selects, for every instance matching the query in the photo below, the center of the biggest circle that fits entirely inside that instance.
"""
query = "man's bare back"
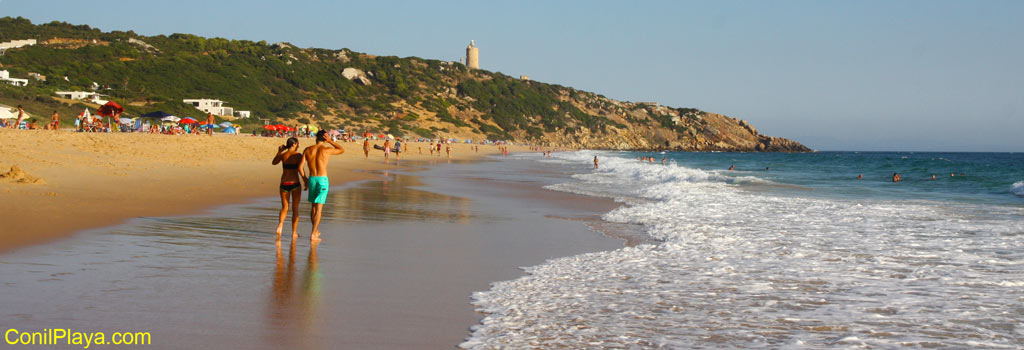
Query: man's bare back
(318, 155)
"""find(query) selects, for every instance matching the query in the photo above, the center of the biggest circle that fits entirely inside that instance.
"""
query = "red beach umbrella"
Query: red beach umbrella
(269, 127)
(111, 109)
(188, 120)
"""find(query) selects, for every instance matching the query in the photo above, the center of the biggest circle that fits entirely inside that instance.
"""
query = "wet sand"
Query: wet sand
(74, 181)
(402, 252)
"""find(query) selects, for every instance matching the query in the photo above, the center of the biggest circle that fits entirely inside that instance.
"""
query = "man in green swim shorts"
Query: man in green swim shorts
(316, 159)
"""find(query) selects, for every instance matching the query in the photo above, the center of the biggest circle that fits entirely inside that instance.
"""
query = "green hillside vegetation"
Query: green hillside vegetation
(406, 96)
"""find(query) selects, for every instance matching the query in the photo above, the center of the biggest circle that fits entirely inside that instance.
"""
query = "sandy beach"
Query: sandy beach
(74, 181)
(402, 254)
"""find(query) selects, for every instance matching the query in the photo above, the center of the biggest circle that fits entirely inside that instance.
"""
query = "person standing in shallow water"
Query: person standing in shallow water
(290, 189)
(595, 162)
(316, 157)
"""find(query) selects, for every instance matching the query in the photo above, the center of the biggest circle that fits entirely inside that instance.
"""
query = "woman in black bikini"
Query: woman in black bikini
(292, 163)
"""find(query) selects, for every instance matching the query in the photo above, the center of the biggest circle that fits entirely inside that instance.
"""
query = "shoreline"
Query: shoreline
(403, 253)
(93, 180)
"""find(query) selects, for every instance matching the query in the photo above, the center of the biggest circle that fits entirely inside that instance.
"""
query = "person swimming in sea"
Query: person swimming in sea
(291, 163)
(732, 167)
(896, 177)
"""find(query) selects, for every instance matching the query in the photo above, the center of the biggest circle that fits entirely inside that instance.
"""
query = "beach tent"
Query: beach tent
(230, 130)
(157, 114)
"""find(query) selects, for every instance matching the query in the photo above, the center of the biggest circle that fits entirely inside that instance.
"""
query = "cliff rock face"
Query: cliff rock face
(648, 126)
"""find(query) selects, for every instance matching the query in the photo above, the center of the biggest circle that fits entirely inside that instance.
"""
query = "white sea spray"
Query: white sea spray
(741, 268)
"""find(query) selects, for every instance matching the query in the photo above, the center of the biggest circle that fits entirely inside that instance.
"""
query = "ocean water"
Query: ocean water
(799, 255)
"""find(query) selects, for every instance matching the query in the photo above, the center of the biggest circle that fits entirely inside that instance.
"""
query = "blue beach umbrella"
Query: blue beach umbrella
(157, 114)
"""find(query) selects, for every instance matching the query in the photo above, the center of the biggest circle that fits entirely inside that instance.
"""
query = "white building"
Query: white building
(14, 44)
(243, 114)
(6, 76)
(93, 97)
(210, 106)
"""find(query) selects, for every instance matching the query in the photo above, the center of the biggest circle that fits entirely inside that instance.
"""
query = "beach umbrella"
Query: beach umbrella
(110, 109)
(269, 127)
(6, 114)
(391, 137)
(157, 114)
(187, 120)
(334, 132)
(170, 119)
(226, 124)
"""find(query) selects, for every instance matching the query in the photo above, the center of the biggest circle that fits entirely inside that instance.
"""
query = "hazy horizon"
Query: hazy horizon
(864, 76)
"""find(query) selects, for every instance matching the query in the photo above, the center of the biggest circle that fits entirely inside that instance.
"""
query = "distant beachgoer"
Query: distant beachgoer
(209, 123)
(664, 160)
(387, 150)
(439, 149)
(317, 157)
(419, 149)
(291, 163)
(448, 149)
(55, 120)
(431, 148)
(595, 162)
(933, 176)
(398, 148)
(732, 167)
(952, 175)
(963, 174)
(766, 169)
(895, 177)
(366, 148)
(21, 116)
(860, 176)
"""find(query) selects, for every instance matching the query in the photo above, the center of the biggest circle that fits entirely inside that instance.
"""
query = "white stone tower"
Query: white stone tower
(472, 56)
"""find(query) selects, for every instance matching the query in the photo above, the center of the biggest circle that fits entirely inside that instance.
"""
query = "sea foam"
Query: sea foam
(739, 268)
(1018, 188)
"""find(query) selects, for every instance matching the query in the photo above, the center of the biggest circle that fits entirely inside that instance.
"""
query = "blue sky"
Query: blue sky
(853, 75)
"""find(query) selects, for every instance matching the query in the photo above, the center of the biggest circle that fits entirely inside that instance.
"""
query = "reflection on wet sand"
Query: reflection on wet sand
(292, 318)
(396, 198)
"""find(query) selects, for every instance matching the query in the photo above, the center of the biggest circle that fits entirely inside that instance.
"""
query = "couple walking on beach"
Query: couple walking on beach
(315, 157)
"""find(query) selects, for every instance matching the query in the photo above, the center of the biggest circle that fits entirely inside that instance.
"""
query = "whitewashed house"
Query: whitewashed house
(243, 114)
(6, 76)
(93, 97)
(210, 106)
